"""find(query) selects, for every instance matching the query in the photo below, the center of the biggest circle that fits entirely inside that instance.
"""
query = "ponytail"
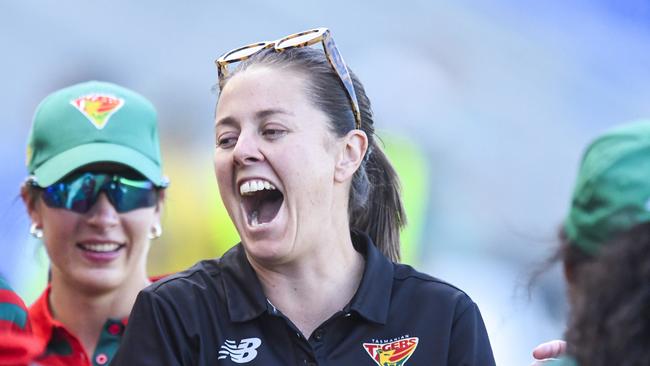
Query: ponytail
(375, 199)
(381, 215)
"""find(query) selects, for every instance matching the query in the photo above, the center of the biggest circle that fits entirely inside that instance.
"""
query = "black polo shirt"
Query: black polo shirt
(215, 313)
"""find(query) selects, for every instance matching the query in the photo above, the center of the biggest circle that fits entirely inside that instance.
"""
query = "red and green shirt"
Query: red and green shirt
(18, 345)
(61, 347)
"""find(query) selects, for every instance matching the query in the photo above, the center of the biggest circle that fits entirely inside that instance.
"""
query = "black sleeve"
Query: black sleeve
(470, 345)
(154, 335)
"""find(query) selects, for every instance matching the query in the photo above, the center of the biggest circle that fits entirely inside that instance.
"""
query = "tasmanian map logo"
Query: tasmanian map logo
(392, 352)
(98, 108)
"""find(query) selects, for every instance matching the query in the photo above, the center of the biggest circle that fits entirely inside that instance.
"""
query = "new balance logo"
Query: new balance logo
(246, 351)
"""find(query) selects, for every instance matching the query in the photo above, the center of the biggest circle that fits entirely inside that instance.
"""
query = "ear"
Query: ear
(30, 200)
(353, 149)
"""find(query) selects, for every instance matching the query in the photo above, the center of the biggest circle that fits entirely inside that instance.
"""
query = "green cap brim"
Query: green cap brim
(60, 165)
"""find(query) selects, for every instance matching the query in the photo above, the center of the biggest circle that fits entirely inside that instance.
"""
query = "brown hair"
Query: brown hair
(375, 204)
(609, 322)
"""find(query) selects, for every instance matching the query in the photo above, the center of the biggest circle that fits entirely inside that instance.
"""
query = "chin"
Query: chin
(268, 251)
(100, 281)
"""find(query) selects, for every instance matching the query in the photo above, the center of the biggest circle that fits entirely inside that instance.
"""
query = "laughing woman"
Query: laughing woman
(315, 279)
(94, 197)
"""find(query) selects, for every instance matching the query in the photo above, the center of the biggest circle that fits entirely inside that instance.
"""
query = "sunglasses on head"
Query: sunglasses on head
(302, 39)
(79, 192)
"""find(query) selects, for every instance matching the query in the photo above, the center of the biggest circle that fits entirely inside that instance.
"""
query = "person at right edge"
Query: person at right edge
(315, 279)
(605, 248)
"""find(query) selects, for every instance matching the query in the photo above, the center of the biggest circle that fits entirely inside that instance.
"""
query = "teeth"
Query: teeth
(255, 185)
(102, 248)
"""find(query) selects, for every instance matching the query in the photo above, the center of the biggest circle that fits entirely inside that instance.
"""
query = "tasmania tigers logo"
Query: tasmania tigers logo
(98, 108)
(394, 352)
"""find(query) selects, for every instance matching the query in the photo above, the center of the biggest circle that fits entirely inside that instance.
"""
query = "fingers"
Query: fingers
(549, 349)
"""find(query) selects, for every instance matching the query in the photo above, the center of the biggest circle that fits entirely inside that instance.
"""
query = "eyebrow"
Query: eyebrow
(230, 121)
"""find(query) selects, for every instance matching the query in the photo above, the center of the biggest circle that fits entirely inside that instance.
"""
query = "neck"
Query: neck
(329, 277)
(84, 313)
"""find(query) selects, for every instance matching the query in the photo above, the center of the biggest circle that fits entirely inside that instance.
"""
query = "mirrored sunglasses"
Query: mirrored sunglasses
(79, 192)
(302, 39)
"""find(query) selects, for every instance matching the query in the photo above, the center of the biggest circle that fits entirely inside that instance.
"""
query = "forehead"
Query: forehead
(262, 87)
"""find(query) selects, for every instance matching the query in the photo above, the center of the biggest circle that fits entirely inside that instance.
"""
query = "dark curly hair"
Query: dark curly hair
(610, 318)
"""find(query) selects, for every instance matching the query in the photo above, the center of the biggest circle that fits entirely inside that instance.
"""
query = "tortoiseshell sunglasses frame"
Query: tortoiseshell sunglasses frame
(321, 35)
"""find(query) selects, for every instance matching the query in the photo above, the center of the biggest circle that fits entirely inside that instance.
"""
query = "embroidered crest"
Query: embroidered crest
(98, 108)
(393, 352)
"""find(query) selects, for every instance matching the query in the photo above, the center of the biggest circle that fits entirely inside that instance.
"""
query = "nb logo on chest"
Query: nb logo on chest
(244, 352)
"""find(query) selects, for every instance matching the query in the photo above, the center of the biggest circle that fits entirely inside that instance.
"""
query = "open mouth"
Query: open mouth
(261, 201)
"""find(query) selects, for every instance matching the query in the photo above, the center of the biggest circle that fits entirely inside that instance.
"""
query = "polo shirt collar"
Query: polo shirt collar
(42, 320)
(372, 299)
(246, 300)
(43, 323)
(244, 295)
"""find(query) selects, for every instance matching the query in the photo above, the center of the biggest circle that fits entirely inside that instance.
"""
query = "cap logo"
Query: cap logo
(98, 108)
(392, 352)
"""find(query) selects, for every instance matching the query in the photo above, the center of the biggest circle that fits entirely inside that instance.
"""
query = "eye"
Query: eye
(274, 132)
(226, 140)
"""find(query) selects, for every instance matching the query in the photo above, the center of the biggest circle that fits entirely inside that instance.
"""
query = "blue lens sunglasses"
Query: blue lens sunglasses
(79, 192)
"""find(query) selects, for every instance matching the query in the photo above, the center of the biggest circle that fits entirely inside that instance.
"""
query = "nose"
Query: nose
(247, 150)
(102, 214)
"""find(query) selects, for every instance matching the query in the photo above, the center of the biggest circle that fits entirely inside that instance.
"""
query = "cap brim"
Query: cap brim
(60, 165)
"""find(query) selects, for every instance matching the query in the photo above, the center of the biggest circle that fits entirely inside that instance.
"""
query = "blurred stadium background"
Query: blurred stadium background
(484, 106)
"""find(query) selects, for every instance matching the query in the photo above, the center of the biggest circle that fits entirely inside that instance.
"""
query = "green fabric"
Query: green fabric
(93, 122)
(14, 314)
(59, 344)
(108, 342)
(612, 192)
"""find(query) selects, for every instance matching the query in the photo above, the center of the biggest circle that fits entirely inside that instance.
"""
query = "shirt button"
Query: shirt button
(101, 359)
(318, 334)
(115, 329)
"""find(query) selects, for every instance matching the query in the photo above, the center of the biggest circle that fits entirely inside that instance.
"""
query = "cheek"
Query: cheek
(58, 226)
(138, 223)
(223, 172)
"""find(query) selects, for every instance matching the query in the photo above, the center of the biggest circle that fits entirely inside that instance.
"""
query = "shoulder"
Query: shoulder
(202, 276)
(184, 298)
(13, 312)
(424, 287)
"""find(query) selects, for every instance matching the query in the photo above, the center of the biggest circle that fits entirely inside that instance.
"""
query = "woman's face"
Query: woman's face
(99, 250)
(275, 163)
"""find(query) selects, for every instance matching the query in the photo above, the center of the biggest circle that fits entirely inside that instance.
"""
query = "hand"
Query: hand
(551, 349)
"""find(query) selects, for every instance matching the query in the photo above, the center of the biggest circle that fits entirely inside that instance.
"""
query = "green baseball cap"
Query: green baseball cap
(93, 122)
(612, 192)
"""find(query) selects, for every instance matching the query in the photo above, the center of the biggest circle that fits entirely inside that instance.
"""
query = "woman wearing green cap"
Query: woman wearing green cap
(606, 253)
(94, 196)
